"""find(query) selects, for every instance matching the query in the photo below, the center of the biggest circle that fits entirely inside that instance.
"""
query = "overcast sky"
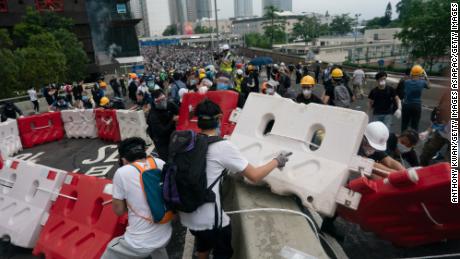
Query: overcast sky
(159, 14)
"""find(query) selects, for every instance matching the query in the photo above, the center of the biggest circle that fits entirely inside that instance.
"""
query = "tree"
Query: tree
(341, 24)
(274, 26)
(9, 69)
(170, 30)
(76, 58)
(257, 40)
(42, 62)
(386, 19)
(425, 28)
(307, 28)
(202, 29)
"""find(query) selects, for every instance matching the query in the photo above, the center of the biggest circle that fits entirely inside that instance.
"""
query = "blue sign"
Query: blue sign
(121, 8)
(160, 42)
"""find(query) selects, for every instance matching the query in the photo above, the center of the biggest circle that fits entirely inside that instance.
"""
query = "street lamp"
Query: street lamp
(356, 31)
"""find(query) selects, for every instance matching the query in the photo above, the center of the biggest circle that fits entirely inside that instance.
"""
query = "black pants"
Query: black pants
(219, 241)
(411, 114)
(36, 106)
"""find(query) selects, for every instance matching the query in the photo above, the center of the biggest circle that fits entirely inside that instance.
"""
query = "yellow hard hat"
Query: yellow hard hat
(307, 80)
(337, 73)
(202, 75)
(250, 67)
(417, 70)
(104, 101)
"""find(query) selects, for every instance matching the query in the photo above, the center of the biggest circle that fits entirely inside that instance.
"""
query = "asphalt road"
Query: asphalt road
(99, 158)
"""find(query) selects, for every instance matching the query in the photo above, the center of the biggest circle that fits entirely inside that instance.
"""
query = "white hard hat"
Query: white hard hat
(239, 72)
(276, 66)
(377, 135)
(272, 83)
(225, 47)
(282, 64)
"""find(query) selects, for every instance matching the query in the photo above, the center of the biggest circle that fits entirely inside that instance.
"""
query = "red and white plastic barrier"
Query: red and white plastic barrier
(81, 222)
(409, 208)
(132, 124)
(27, 191)
(41, 128)
(10, 142)
(79, 123)
(107, 125)
(227, 101)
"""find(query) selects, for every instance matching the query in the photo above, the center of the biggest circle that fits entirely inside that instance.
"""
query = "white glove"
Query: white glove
(424, 135)
(397, 114)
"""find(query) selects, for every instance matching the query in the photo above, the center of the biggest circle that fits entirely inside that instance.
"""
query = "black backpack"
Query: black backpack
(185, 185)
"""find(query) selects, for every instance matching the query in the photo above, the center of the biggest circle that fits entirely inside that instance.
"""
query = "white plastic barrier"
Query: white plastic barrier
(79, 123)
(27, 191)
(132, 124)
(10, 142)
(316, 175)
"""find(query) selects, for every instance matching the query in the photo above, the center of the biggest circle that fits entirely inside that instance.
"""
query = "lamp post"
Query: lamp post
(217, 22)
(356, 31)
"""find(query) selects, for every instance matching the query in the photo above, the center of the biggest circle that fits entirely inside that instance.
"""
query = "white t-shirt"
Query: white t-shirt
(139, 233)
(32, 94)
(358, 76)
(221, 155)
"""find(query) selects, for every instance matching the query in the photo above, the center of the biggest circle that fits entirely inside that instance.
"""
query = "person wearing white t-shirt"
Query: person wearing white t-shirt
(221, 155)
(142, 238)
(33, 98)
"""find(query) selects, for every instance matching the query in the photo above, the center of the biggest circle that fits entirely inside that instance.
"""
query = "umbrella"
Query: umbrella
(261, 61)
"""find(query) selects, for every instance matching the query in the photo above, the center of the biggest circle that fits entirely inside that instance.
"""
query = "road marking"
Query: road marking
(188, 246)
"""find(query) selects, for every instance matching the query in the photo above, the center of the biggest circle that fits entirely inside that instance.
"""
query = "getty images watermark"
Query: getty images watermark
(454, 102)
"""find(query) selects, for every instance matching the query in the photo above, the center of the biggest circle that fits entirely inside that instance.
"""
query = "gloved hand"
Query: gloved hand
(283, 158)
(397, 114)
(424, 135)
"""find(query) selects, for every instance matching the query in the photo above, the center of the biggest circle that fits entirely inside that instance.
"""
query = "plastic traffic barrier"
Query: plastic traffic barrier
(316, 172)
(82, 222)
(26, 194)
(409, 208)
(107, 125)
(227, 101)
(10, 142)
(41, 128)
(132, 124)
(79, 123)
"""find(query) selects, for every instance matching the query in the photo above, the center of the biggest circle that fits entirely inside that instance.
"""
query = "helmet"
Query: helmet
(132, 75)
(250, 67)
(202, 75)
(337, 73)
(417, 70)
(239, 72)
(104, 101)
(225, 47)
(307, 80)
(202, 71)
(377, 135)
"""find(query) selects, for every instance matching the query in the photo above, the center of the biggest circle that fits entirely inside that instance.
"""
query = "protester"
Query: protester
(383, 101)
(61, 104)
(359, 80)
(337, 94)
(161, 122)
(306, 96)
(401, 147)
(10, 111)
(221, 155)
(33, 98)
(412, 102)
(115, 87)
(77, 92)
(142, 238)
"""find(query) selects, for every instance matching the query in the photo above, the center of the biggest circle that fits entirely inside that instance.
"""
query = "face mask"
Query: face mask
(161, 105)
(192, 82)
(382, 84)
(368, 151)
(403, 149)
(222, 86)
(306, 92)
(270, 91)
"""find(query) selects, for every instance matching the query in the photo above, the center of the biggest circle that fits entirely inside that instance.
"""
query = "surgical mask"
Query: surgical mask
(382, 84)
(161, 105)
(306, 92)
(203, 90)
(368, 151)
(270, 91)
(403, 149)
(222, 86)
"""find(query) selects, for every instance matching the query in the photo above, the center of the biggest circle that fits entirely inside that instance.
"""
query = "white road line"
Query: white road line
(188, 246)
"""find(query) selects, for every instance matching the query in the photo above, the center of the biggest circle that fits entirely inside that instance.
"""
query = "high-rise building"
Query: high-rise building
(283, 5)
(139, 11)
(204, 9)
(243, 8)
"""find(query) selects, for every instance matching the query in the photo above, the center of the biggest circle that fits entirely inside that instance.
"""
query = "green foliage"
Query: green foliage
(274, 25)
(5, 40)
(42, 62)
(425, 28)
(202, 29)
(383, 21)
(170, 30)
(76, 58)
(9, 72)
(308, 28)
(257, 40)
(341, 24)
